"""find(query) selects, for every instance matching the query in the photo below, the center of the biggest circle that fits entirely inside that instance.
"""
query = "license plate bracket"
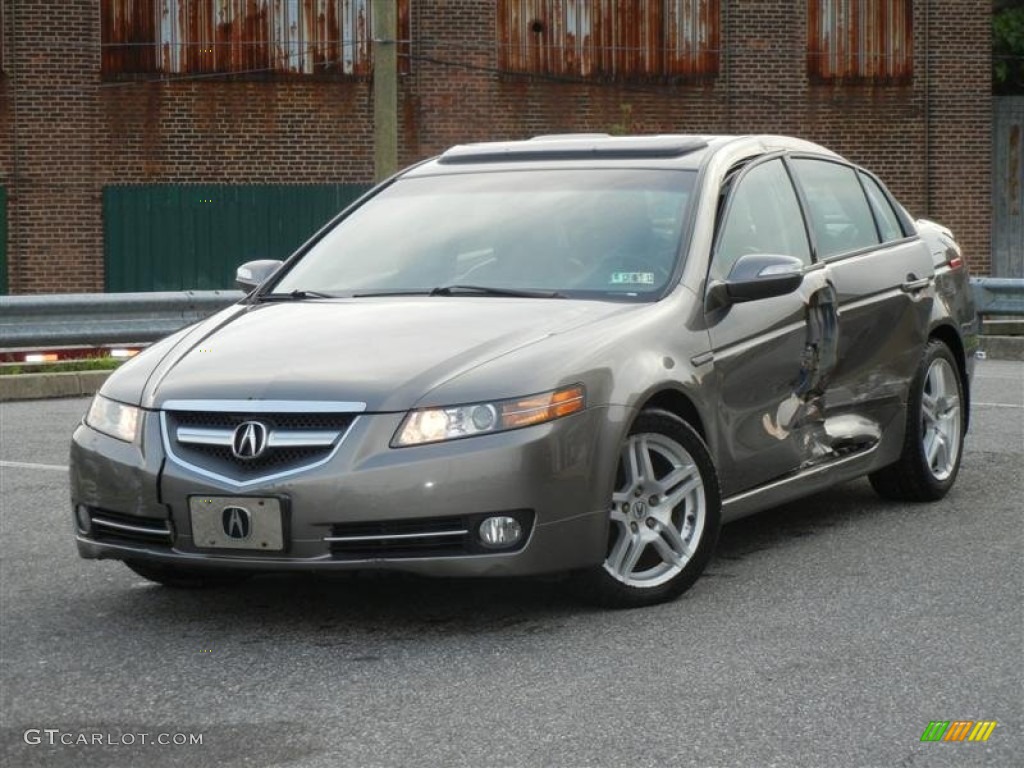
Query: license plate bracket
(237, 522)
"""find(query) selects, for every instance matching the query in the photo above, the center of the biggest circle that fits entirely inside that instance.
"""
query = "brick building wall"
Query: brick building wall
(66, 131)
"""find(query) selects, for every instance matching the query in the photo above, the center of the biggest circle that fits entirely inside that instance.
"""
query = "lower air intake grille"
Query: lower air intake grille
(119, 528)
(424, 537)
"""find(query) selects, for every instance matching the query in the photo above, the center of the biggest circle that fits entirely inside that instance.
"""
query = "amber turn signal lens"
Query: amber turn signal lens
(540, 408)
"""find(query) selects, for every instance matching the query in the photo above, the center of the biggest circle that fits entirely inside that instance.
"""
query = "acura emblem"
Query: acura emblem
(249, 440)
(237, 522)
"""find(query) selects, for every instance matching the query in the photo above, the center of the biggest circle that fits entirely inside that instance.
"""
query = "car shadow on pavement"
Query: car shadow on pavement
(329, 608)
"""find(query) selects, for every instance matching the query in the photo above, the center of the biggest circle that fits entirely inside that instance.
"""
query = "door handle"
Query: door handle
(913, 285)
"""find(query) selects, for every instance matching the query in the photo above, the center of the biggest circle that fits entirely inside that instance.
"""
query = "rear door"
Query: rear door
(882, 276)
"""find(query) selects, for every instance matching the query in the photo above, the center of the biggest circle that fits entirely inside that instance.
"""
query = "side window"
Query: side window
(763, 216)
(886, 216)
(838, 211)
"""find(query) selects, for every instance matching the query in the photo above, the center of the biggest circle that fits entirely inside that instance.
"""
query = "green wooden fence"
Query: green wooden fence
(3, 241)
(178, 237)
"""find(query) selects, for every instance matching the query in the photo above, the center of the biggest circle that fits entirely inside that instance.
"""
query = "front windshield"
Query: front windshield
(592, 232)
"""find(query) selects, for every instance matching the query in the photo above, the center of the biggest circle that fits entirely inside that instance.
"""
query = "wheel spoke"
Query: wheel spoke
(936, 382)
(931, 447)
(671, 547)
(928, 411)
(928, 400)
(680, 494)
(643, 458)
(626, 554)
(629, 463)
(676, 476)
(941, 462)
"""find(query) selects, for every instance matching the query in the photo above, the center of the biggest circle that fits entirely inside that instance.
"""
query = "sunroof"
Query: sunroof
(574, 148)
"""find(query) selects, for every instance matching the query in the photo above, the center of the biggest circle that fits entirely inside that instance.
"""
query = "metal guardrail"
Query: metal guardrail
(998, 295)
(81, 319)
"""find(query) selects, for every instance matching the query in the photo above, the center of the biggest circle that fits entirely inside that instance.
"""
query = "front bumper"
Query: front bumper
(559, 476)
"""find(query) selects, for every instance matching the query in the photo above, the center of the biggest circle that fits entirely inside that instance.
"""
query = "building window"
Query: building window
(609, 39)
(243, 36)
(867, 41)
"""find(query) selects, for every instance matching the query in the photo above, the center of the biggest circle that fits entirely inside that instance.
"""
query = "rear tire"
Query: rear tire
(933, 446)
(177, 577)
(665, 514)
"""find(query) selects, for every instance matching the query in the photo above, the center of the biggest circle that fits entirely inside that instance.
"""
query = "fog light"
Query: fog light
(500, 531)
(83, 518)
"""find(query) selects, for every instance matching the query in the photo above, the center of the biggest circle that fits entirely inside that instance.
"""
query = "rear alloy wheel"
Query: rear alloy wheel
(186, 578)
(664, 515)
(934, 440)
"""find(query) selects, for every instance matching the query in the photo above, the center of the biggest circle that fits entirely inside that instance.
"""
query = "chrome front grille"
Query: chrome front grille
(285, 441)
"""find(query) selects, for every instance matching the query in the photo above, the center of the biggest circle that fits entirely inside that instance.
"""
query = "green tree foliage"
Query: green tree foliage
(1008, 46)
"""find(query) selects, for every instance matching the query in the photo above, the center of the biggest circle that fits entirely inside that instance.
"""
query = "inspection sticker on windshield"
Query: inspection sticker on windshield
(632, 278)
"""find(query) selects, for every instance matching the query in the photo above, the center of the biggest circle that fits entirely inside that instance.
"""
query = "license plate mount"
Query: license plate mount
(237, 522)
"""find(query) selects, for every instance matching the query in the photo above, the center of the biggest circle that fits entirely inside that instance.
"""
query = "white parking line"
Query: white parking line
(33, 465)
(997, 405)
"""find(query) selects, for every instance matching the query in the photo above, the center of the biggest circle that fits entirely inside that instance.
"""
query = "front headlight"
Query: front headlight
(432, 425)
(113, 418)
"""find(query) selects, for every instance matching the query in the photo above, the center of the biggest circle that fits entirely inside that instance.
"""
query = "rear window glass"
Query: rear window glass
(837, 208)
(888, 222)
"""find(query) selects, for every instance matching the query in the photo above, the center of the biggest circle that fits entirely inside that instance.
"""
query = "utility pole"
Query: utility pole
(385, 88)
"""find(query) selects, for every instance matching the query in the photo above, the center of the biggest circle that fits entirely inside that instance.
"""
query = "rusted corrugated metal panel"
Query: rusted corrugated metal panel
(197, 36)
(3, 240)
(609, 38)
(860, 40)
(1007, 187)
(128, 36)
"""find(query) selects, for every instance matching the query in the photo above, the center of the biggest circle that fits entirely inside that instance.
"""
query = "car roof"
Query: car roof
(670, 151)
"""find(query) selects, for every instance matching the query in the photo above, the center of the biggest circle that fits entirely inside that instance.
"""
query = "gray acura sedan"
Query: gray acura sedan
(576, 353)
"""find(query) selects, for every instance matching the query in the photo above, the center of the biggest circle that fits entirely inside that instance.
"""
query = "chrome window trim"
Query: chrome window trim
(265, 406)
(169, 451)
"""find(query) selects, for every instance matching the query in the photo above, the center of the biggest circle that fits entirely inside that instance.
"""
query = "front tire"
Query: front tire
(933, 446)
(177, 577)
(664, 515)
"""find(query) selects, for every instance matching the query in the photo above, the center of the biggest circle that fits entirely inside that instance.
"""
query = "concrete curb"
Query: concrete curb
(37, 386)
(1002, 347)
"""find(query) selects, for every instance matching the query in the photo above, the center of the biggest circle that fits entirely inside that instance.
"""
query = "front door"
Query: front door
(772, 357)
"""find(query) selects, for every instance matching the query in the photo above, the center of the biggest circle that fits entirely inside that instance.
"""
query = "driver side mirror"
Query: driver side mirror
(756, 276)
(251, 274)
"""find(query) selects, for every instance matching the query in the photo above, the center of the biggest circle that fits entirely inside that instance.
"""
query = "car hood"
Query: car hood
(387, 353)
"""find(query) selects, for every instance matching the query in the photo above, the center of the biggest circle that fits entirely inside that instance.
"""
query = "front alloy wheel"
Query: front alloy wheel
(664, 514)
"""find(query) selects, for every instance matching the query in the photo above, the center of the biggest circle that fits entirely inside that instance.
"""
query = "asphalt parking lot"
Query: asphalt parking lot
(828, 632)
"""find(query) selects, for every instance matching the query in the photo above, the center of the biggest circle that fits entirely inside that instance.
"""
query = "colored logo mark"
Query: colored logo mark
(958, 730)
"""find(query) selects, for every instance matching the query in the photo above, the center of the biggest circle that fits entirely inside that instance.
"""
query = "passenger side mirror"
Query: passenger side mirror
(251, 274)
(756, 276)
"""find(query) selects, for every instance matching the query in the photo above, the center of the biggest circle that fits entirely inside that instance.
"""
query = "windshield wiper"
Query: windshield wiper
(374, 294)
(483, 290)
(296, 296)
